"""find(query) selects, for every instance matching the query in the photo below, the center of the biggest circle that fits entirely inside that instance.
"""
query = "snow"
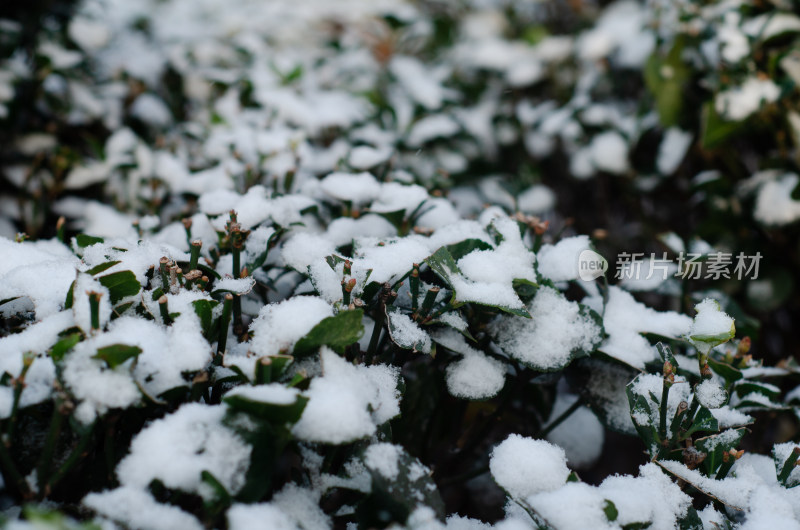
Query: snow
(302, 506)
(152, 110)
(42, 271)
(560, 262)
(781, 452)
(609, 152)
(138, 510)
(382, 458)
(555, 332)
(624, 319)
(179, 447)
(536, 200)
(359, 189)
(35, 340)
(407, 334)
(389, 258)
(348, 402)
(672, 150)
(711, 394)
(96, 387)
(523, 466)
(417, 80)
(430, 128)
(740, 102)
(774, 204)
(366, 157)
(711, 326)
(581, 435)
(475, 375)
(647, 384)
(239, 286)
(85, 287)
(261, 515)
(273, 393)
(279, 326)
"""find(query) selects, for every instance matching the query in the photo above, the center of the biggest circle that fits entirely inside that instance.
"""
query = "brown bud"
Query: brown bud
(744, 347)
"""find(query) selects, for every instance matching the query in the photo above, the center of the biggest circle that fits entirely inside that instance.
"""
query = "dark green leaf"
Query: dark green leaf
(393, 499)
(70, 296)
(116, 354)
(85, 241)
(716, 445)
(393, 331)
(64, 345)
(120, 284)
(274, 412)
(691, 521)
(703, 421)
(102, 267)
(728, 372)
(338, 331)
(715, 130)
(602, 383)
(610, 510)
(461, 249)
(221, 498)
(442, 263)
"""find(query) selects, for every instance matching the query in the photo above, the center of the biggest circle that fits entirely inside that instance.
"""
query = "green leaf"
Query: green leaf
(102, 267)
(84, 241)
(338, 331)
(117, 354)
(7, 300)
(393, 499)
(716, 445)
(715, 131)
(259, 260)
(221, 498)
(666, 77)
(393, 331)
(462, 248)
(727, 371)
(610, 510)
(444, 265)
(44, 518)
(692, 521)
(65, 344)
(643, 418)
(666, 355)
(703, 421)
(70, 296)
(278, 413)
(748, 387)
(602, 383)
(120, 284)
(395, 218)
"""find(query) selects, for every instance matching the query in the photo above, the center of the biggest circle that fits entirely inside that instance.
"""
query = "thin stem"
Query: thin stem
(94, 309)
(19, 386)
(43, 469)
(163, 308)
(225, 321)
(10, 470)
(72, 459)
(788, 465)
(663, 406)
(558, 421)
(195, 254)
